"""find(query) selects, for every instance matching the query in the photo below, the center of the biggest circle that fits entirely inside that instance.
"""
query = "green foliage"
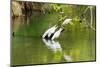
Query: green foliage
(56, 7)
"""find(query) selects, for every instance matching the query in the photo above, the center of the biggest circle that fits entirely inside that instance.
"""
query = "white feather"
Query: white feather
(50, 31)
(57, 34)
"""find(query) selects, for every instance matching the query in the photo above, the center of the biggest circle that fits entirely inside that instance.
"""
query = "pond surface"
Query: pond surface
(75, 44)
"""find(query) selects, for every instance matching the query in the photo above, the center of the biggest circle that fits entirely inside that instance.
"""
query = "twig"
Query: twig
(86, 10)
(91, 12)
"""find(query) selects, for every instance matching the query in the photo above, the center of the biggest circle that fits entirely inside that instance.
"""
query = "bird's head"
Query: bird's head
(70, 21)
(67, 21)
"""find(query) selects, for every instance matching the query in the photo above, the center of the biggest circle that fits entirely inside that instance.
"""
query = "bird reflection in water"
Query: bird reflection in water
(55, 47)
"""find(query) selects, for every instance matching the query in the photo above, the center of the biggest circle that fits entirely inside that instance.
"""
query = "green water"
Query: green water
(77, 42)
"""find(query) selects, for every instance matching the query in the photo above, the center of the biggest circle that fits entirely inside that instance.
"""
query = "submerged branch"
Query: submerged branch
(86, 10)
(91, 13)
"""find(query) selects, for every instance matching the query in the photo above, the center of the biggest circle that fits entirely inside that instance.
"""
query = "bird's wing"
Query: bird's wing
(57, 33)
(45, 34)
(52, 30)
(49, 31)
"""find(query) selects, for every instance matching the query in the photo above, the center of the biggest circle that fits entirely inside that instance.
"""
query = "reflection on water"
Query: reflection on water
(54, 46)
(29, 48)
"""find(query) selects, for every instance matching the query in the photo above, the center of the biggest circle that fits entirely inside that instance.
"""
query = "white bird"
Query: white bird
(57, 33)
(66, 21)
(49, 31)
